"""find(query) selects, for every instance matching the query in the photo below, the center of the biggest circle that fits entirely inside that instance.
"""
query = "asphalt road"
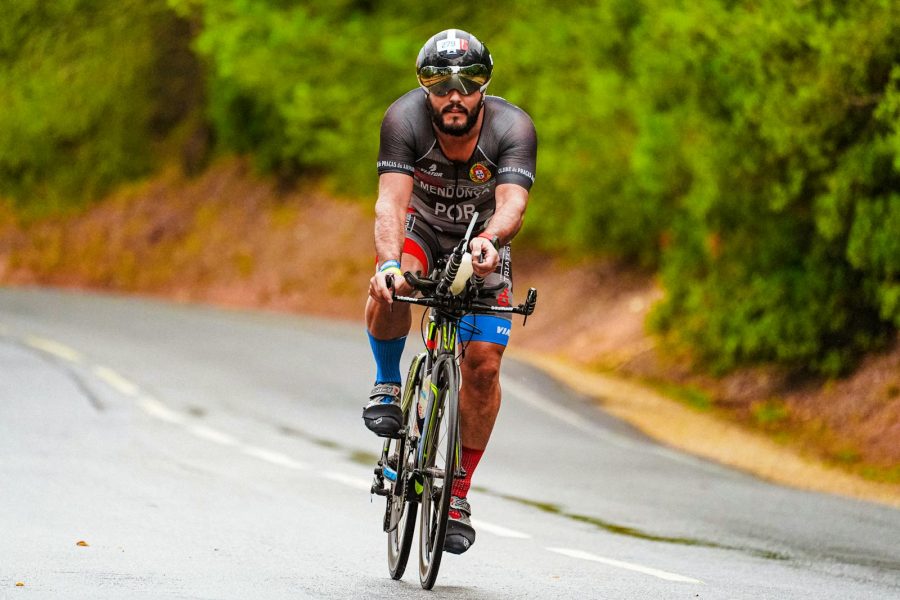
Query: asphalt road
(202, 453)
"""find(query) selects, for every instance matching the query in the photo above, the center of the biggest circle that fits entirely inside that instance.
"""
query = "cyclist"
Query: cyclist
(448, 151)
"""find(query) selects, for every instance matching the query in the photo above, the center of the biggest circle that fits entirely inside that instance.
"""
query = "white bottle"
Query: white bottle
(462, 276)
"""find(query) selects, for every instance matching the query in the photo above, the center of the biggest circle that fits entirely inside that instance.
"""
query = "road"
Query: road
(203, 453)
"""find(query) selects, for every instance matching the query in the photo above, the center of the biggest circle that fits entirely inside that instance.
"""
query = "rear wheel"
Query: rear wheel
(400, 522)
(400, 456)
(438, 463)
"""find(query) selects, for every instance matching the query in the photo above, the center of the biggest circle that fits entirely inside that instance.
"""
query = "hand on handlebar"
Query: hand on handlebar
(384, 284)
(484, 256)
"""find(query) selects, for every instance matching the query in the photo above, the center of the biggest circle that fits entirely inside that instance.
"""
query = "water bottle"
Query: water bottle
(462, 275)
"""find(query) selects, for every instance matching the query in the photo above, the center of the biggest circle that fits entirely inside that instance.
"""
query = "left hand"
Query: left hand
(484, 256)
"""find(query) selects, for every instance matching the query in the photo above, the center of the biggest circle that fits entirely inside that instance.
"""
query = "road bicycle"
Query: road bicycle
(416, 470)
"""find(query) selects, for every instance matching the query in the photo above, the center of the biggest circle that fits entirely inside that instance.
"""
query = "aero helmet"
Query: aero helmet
(454, 60)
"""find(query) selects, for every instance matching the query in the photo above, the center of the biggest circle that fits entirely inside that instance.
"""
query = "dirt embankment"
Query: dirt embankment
(233, 239)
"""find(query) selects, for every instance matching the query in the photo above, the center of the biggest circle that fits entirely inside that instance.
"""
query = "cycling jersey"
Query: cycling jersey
(447, 193)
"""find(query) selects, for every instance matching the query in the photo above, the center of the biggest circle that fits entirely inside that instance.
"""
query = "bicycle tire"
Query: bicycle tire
(442, 433)
(400, 536)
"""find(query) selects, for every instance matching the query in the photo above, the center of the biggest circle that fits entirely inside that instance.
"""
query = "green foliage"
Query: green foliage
(748, 149)
(785, 246)
(770, 413)
(77, 85)
(303, 86)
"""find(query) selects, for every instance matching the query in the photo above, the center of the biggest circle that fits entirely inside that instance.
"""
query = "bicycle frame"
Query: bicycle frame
(444, 330)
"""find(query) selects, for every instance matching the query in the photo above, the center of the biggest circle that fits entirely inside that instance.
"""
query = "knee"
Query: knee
(483, 374)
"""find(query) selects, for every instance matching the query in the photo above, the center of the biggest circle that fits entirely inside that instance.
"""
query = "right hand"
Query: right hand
(378, 287)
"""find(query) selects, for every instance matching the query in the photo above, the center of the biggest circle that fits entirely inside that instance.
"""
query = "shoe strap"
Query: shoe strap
(460, 504)
(385, 389)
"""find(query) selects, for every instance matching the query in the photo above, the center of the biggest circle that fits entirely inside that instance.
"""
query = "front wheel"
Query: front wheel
(438, 462)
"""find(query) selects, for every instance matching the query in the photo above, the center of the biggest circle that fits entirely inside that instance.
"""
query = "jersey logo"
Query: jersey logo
(479, 173)
(503, 298)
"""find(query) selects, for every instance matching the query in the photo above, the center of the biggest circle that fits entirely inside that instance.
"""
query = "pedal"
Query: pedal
(378, 483)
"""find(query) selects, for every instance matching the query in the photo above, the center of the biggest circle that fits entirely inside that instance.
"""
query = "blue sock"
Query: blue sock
(387, 358)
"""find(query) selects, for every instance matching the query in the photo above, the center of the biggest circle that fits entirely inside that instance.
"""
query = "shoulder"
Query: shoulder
(505, 114)
(509, 123)
(409, 109)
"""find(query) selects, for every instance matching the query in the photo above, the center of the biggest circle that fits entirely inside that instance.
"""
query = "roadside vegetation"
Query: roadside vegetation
(747, 153)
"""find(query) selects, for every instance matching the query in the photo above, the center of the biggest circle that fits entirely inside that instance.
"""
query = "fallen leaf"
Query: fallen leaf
(81, 543)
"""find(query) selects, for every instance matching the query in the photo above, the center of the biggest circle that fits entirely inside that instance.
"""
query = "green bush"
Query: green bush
(748, 150)
(80, 85)
(785, 246)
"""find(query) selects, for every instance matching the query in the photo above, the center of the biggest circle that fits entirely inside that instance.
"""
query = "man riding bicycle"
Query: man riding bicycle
(446, 154)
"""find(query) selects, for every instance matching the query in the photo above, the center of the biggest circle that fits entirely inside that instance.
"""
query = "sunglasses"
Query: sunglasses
(465, 80)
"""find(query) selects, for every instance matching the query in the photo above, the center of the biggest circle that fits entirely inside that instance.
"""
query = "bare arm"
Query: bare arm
(509, 214)
(394, 193)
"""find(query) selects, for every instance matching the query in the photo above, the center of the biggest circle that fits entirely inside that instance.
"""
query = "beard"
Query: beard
(456, 129)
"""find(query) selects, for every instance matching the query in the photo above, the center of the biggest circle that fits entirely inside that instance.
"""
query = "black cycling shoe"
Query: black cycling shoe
(382, 414)
(460, 533)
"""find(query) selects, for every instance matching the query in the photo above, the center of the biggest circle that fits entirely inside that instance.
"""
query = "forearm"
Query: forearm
(509, 213)
(390, 216)
(389, 231)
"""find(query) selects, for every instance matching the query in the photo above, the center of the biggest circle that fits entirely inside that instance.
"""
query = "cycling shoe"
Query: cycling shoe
(382, 414)
(460, 533)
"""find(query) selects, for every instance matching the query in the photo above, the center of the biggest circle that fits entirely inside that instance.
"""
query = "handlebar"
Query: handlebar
(437, 294)
(469, 302)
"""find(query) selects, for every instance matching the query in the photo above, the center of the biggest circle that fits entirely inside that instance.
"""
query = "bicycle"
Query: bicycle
(418, 467)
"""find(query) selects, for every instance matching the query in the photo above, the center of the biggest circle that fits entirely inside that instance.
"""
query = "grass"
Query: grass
(846, 456)
(689, 395)
(771, 413)
(880, 474)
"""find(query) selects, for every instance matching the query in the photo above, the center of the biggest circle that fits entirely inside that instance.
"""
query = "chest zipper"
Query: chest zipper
(455, 189)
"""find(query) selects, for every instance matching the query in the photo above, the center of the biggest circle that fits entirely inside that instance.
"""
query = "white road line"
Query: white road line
(213, 435)
(55, 348)
(116, 381)
(625, 565)
(353, 482)
(565, 415)
(499, 531)
(575, 420)
(276, 458)
(158, 410)
(155, 408)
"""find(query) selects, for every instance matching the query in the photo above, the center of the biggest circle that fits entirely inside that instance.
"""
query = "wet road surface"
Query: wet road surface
(202, 453)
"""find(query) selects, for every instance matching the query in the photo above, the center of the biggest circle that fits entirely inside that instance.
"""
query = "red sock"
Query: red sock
(468, 461)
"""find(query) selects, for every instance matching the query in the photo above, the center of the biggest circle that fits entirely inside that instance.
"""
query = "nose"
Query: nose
(454, 96)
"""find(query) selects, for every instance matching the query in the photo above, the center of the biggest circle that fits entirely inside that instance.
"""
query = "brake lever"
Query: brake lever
(478, 280)
(528, 305)
(389, 282)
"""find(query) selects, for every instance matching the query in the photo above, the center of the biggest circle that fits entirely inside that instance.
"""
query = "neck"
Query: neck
(460, 147)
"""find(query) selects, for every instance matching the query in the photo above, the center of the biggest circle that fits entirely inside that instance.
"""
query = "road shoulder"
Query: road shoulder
(673, 424)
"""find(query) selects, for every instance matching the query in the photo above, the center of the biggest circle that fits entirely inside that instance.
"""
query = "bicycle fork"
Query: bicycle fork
(435, 407)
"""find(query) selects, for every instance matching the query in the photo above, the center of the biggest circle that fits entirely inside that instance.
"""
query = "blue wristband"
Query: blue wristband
(389, 264)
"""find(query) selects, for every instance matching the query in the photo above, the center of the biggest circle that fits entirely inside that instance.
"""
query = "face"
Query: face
(455, 114)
